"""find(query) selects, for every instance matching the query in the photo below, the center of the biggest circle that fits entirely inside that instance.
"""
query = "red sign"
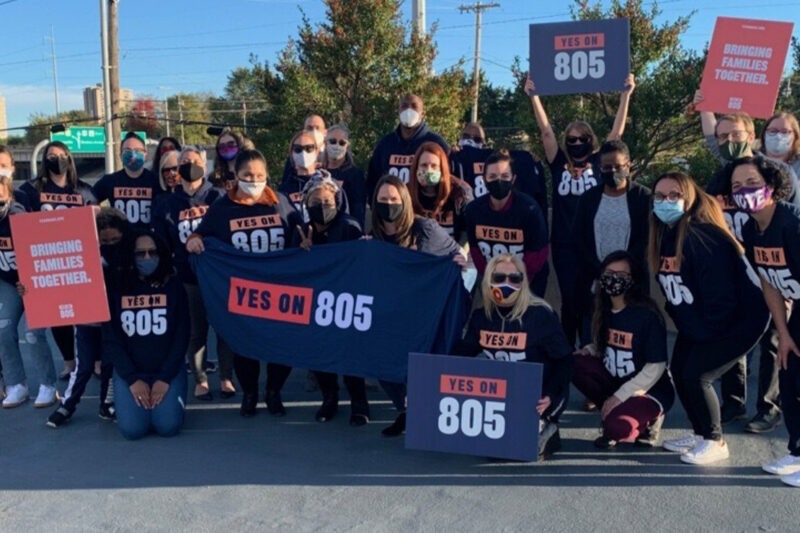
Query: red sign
(744, 66)
(58, 257)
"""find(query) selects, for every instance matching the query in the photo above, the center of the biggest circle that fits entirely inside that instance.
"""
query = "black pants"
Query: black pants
(89, 342)
(734, 381)
(696, 365)
(565, 263)
(247, 371)
(356, 388)
(65, 340)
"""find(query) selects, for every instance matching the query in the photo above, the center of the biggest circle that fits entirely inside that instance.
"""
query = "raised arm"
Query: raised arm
(622, 111)
(549, 140)
(708, 121)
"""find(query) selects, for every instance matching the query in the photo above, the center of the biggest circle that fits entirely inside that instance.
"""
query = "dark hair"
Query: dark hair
(157, 157)
(775, 175)
(165, 267)
(132, 135)
(404, 225)
(610, 147)
(497, 156)
(44, 175)
(220, 174)
(637, 296)
(245, 156)
(110, 218)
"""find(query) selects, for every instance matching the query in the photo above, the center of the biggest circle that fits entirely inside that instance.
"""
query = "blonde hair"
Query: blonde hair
(525, 299)
(738, 117)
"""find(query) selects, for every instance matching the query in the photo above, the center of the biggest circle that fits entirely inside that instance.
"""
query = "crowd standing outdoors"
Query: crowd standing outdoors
(727, 261)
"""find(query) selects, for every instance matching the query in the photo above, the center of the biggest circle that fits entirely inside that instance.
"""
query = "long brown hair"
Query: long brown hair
(220, 174)
(699, 207)
(794, 151)
(444, 187)
(404, 236)
(44, 175)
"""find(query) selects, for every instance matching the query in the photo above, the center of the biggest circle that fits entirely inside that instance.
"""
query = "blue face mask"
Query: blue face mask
(147, 265)
(133, 161)
(668, 211)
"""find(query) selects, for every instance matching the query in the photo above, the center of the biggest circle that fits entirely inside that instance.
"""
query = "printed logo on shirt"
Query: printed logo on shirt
(479, 188)
(263, 221)
(577, 181)
(188, 220)
(620, 339)
(735, 218)
(193, 212)
(501, 241)
(444, 218)
(8, 259)
(671, 282)
(144, 315)
(134, 202)
(502, 346)
(771, 266)
(257, 234)
(618, 358)
(400, 166)
(50, 201)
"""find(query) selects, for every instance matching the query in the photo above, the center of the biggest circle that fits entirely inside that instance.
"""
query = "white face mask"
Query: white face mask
(336, 151)
(6, 173)
(304, 160)
(409, 118)
(469, 142)
(253, 189)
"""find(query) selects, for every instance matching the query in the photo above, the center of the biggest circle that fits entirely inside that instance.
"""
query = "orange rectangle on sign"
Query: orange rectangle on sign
(620, 339)
(472, 386)
(66, 199)
(193, 212)
(133, 192)
(264, 221)
(504, 235)
(580, 41)
(397, 160)
(283, 303)
(144, 301)
(496, 340)
(477, 168)
(6, 244)
(669, 264)
(773, 257)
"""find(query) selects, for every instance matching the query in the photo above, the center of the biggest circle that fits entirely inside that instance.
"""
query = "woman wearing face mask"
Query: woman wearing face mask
(772, 243)
(338, 160)
(165, 145)
(250, 200)
(711, 295)
(780, 141)
(228, 147)
(175, 217)
(624, 370)
(11, 309)
(324, 201)
(303, 152)
(146, 340)
(530, 332)
(574, 170)
(167, 170)
(394, 221)
(7, 171)
(57, 187)
(436, 193)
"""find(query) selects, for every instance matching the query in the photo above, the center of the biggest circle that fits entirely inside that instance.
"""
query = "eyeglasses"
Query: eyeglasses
(583, 139)
(674, 196)
(340, 142)
(169, 170)
(300, 148)
(142, 254)
(476, 138)
(515, 277)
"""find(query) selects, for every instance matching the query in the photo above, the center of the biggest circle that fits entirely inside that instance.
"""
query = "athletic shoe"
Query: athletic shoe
(650, 436)
(69, 366)
(589, 406)
(763, 423)
(48, 396)
(732, 414)
(210, 367)
(707, 452)
(604, 443)
(274, 404)
(358, 420)
(784, 466)
(248, 407)
(328, 410)
(16, 395)
(107, 412)
(549, 440)
(397, 428)
(682, 444)
(59, 417)
(792, 479)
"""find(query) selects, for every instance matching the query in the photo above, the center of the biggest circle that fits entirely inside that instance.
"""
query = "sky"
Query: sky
(169, 46)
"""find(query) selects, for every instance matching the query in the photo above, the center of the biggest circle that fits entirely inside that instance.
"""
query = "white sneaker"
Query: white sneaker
(682, 444)
(792, 479)
(47, 397)
(783, 466)
(707, 452)
(16, 395)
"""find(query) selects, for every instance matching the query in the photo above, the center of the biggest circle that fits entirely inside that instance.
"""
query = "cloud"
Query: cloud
(24, 100)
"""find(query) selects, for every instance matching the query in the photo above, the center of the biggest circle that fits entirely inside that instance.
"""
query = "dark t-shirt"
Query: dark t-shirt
(568, 186)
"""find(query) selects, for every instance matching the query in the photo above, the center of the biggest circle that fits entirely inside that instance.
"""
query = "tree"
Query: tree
(194, 107)
(143, 117)
(40, 123)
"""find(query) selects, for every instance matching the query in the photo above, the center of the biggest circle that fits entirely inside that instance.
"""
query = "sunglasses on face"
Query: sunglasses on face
(142, 254)
(300, 148)
(169, 170)
(515, 277)
(230, 144)
(583, 139)
(340, 142)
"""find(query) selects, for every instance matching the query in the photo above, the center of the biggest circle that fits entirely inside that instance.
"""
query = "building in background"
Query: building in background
(3, 123)
(93, 100)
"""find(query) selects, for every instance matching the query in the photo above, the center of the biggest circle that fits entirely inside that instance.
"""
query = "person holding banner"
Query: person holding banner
(253, 218)
(574, 169)
(324, 202)
(338, 160)
(175, 217)
(11, 309)
(515, 325)
(711, 295)
(624, 370)
(304, 155)
(394, 221)
(146, 340)
(228, 146)
(437, 194)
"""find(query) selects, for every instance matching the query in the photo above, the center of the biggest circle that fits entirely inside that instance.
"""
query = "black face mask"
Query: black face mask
(321, 214)
(579, 151)
(56, 165)
(499, 189)
(388, 212)
(190, 172)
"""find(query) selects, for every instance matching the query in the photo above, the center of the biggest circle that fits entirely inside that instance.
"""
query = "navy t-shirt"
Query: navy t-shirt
(132, 196)
(54, 197)
(568, 186)
(8, 259)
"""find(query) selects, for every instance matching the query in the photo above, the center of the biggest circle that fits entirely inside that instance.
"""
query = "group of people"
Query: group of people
(726, 260)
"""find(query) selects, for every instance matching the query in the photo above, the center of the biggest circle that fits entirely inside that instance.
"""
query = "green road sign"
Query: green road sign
(86, 140)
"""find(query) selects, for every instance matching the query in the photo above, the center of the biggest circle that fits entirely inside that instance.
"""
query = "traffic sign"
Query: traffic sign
(87, 139)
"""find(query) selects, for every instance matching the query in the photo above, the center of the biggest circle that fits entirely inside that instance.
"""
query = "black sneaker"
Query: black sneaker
(358, 420)
(650, 436)
(107, 412)
(210, 367)
(359, 414)
(328, 410)
(59, 417)
(274, 404)
(604, 443)
(763, 423)
(549, 440)
(248, 407)
(397, 428)
(732, 414)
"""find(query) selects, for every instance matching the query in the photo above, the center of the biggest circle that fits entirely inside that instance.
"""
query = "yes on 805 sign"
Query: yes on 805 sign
(580, 57)
(473, 406)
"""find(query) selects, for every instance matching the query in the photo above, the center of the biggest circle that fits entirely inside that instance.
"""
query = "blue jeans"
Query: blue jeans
(166, 419)
(11, 318)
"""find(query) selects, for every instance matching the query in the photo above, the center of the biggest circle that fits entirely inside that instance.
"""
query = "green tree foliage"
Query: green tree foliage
(40, 124)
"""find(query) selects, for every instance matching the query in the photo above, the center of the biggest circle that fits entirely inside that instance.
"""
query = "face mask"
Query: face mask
(499, 189)
(504, 294)
(614, 284)
(319, 138)
(56, 165)
(732, 151)
(668, 211)
(304, 160)
(321, 214)
(190, 172)
(147, 266)
(409, 118)
(616, 178)
(252, 189)
(579, 151)
(133, 161)
(429, 177)
(752, 199)
(6, 172)
(108, 253)
(388, 212)
(336, 152)
(3, 205)
(228, 153)
(778, 143)
(469, 142)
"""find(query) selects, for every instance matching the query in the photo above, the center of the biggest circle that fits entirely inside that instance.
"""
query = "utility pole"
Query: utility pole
(113, 85)
(244, 116)
(418, 18)
(55, 70)
(478, 8)
(166, 113)
(180, 119)
(106, 83)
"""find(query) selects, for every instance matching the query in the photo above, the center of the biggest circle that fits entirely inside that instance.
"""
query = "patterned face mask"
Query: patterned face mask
(615, 284)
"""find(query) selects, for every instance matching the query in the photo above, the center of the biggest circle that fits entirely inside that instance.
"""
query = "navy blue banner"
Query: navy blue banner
(473, 406)
(356, 308)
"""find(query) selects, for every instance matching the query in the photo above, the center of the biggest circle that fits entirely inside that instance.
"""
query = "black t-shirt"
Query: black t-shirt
(132, 196)
(351, 179)
(54, 197)
(735, 218)
(341, 229)
(448, 217)
(8, 259)
(568, 186)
